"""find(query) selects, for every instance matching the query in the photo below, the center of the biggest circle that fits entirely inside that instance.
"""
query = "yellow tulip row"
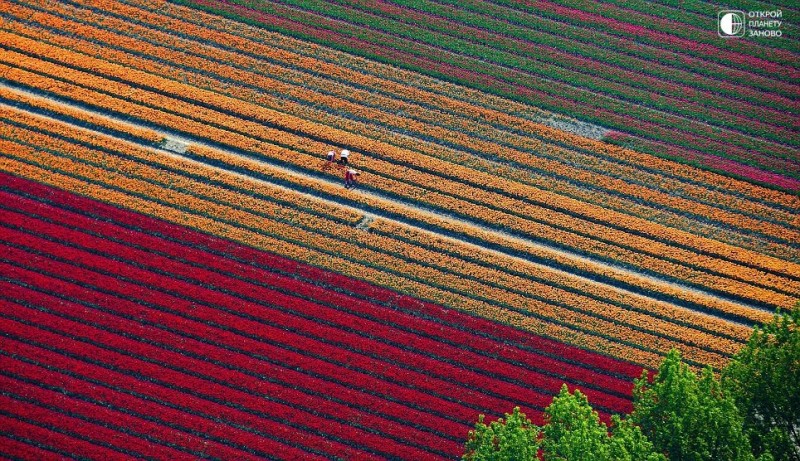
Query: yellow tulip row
(413, 86)
(457, 205)
(303, 160)
(334, 263)
(119, 172)
(388, 243)
(431, 220)
(142, 134)
(573, 206)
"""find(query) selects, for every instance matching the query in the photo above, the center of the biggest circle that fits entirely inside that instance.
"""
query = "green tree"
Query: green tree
(687, 417)
(574, 432)
(628, 442)
(512, 439)
(764, 380)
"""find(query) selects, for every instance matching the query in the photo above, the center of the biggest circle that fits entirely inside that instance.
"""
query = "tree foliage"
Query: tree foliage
(688, 417)
(512, 439)
(764, 380)
(574, 432)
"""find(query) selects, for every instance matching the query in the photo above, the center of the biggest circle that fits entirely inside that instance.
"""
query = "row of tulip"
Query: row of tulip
(634, 118)
(487, 274)
(46, 106)
(637, 20)
(343, 310)
(476, 234)
(331, 262)
(432, 369)
(146, 362)
(227, 139)
(335, 104)
(305, 184)
(577, 39)
(470, 333)
(83, 438)
(169, 14)
(294, 124)
(141, 437)
(539, 60)
(246, 369)
(200, 415)
(465, 102)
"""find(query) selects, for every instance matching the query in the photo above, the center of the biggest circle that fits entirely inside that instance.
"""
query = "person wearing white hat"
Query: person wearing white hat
(344, 157)
(350, 178)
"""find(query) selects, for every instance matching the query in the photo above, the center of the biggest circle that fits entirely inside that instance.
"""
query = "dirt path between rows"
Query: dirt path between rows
(175, 146)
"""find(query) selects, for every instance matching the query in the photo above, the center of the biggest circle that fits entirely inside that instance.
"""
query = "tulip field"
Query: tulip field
(183, 275)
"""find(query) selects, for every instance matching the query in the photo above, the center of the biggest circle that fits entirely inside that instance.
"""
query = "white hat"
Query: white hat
(345, 152)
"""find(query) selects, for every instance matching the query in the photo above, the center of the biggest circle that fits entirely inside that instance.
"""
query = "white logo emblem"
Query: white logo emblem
(730, 23)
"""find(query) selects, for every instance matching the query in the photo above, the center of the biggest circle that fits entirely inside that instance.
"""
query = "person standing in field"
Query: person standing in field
(344, 157)
(350, 178)
(331, 155)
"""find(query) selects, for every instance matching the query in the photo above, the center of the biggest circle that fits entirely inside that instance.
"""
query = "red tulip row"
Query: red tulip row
(384, 108)
(81, 439)
(71, 346)
(25, 447)
(476, 332)
(204, 35)
(432, 366)
(377, 330)
(660, 265)
(592, 314)
(137, 435)
(654, 126)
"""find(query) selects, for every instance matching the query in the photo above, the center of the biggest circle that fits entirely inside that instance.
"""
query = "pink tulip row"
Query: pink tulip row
(640, 121)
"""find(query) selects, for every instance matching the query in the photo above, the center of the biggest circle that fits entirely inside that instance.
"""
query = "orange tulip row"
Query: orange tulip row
(141, 134)
(334, 263)
(392, 105)
(415, 193)
(121, 173)
(268, 69)
(407, 84)
(430, 256)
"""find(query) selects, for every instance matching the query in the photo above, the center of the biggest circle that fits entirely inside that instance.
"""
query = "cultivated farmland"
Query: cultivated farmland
(550, 193)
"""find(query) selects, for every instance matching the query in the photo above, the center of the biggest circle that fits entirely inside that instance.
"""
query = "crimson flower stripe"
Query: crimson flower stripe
(24, 428)
(252, 274)
(290, 390)
(24, 448)
(290, 357)
(254, 385)
(200, 414)
(452, 389)
(364, 290)
(106, 395)
(377, 330)
(436, 370)
(146, 436)
(133, 355)
(93, 433)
